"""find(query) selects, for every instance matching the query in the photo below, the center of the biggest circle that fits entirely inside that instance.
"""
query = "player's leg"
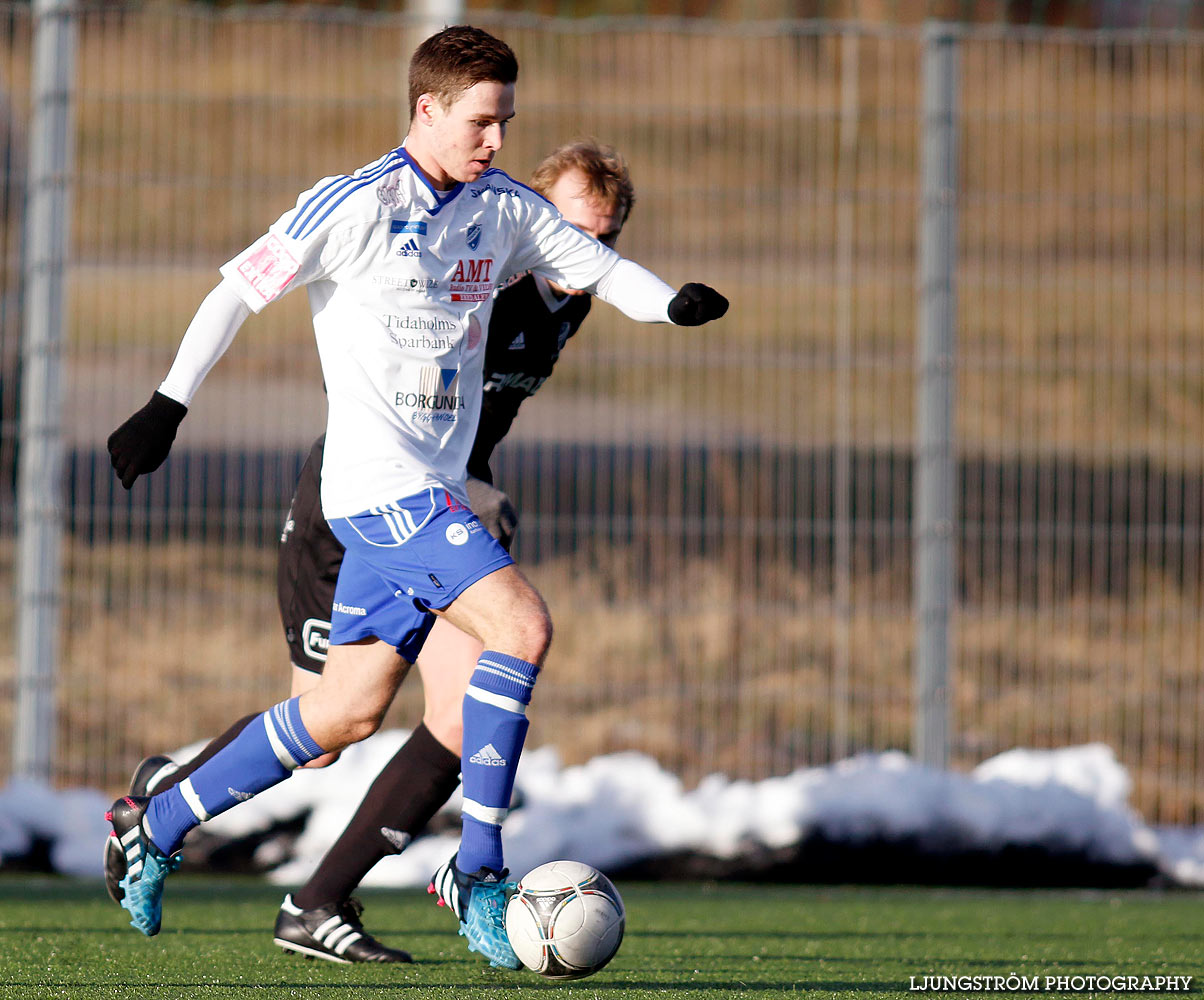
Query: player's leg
(512, 622)
(509, 617)
(423, 773)
(305, 680)
(399, 804)
(308, 563)
(413, 785)
(437, 552)
(347, 707)
(170, 774)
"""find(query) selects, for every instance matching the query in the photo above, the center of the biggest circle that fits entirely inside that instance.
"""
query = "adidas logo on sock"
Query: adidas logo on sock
(488, 756)
(239, 796)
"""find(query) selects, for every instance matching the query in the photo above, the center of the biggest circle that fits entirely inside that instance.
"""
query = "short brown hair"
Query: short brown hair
(605, 170)
(456, 58)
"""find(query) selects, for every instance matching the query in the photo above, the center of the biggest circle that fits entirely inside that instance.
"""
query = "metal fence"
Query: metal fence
(722, 519)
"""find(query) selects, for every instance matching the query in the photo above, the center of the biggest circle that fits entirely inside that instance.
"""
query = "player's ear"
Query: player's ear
(426, 109)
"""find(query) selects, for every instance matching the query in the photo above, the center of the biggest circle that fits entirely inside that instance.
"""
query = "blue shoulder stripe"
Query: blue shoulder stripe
(333, 194)
(325, 192)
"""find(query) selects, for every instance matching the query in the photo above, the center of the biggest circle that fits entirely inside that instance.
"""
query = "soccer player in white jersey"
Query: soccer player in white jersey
(400, 260)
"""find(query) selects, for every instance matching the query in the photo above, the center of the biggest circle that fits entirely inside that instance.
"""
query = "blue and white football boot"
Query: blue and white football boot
(479, 902)
(146, 867)
(147, 776)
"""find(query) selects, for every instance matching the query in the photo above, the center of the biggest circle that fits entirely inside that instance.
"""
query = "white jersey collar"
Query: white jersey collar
(441, 198)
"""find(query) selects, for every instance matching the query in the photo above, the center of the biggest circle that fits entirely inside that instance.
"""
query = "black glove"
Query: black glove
(494, 510)
(696, 304)
(139, 445)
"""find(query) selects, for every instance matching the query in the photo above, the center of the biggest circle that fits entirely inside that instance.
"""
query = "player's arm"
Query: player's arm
(569, 257)
(299, 248)
(640, 294)
(140, 445)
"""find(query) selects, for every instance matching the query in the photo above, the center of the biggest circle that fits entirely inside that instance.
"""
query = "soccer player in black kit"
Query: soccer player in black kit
(532, 321)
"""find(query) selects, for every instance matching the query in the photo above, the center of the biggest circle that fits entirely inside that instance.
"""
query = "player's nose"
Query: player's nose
(495, 134)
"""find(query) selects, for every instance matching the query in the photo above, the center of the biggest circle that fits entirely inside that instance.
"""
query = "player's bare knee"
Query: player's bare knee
(363, 725)
(529, 631)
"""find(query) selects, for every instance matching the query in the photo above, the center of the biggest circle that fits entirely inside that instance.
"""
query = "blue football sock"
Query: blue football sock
(265, 753)
(495, 725)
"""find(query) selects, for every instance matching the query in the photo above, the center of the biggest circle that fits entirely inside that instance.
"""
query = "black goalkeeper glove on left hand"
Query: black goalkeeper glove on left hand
(139, 445)
(696, 304)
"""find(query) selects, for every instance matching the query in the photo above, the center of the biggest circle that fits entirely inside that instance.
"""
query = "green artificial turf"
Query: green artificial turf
(66, 939)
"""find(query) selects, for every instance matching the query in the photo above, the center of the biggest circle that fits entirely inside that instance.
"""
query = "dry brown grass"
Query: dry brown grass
(699, 670)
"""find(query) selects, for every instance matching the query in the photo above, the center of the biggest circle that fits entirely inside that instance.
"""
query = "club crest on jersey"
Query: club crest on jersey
(389, 194)
(472, 236)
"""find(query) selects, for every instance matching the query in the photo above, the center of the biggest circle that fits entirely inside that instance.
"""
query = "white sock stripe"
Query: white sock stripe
(527, 680)
(484, 814)
(280, 711)
(497, 700)
(278, 747)
(506, 677)
(193, 801)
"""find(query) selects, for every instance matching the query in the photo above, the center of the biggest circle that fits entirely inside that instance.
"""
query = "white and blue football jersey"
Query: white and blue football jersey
(401, 282)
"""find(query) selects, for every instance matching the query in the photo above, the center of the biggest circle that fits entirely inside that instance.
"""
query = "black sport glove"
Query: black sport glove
(139, 445)
(696, 304)
(494, 510)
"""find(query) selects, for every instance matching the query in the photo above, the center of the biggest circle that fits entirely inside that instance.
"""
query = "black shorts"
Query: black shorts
(307, 570)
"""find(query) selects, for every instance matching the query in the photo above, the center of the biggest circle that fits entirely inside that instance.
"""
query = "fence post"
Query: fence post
(934, 566)
(842, 478)
(40, 462)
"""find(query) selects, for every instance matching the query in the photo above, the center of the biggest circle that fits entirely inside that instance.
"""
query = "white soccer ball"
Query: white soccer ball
(565, 920)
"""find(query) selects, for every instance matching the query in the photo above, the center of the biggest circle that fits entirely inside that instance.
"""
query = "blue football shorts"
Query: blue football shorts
(402, 559)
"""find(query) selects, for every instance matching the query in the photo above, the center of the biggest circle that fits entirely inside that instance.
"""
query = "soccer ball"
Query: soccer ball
(565, 920)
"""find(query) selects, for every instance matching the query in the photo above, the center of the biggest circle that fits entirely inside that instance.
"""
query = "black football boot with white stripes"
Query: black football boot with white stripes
(331, 932)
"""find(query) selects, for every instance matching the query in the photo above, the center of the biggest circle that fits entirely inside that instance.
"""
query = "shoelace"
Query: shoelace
(494, 898)
(351, 911)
